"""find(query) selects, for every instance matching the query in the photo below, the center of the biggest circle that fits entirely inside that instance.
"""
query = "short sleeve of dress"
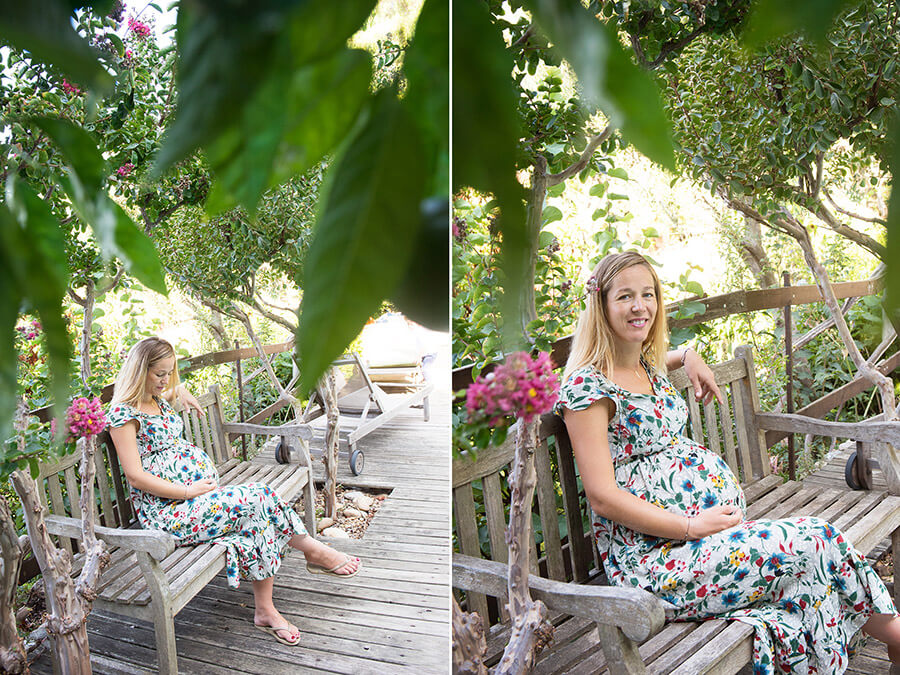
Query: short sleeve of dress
(121, 413)
(584, 387)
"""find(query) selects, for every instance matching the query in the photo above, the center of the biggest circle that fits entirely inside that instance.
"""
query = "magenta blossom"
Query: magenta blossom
(138, 28)
(522, 386)
(85, 418)
(125, 169)
(70, 89)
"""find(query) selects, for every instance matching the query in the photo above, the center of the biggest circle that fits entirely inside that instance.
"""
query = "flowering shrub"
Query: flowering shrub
(139, 28)
(85, 418)
(125, 169)
(522, 387)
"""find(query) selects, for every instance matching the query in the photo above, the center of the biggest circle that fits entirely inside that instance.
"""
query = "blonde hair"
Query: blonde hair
(592, 344)
(132, 380)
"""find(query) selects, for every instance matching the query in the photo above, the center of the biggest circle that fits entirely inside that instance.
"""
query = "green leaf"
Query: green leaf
(617, 172)
(34, 467)
(597, 190)
(626, 94)
(136, 251)
(364, 235)
(423, 294)
(44, 28)
(551, 214)
(79, 150)
(485, 116)
(772, 19)
(426, 65)
(34, 247)
(226, 56)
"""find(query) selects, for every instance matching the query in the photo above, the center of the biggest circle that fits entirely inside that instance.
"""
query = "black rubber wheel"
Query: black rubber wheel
(850, 473)
(282, 453)
(357, 462)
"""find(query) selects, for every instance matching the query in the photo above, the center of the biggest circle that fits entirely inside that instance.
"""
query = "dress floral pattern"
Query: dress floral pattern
(805, 590)
(251, 521)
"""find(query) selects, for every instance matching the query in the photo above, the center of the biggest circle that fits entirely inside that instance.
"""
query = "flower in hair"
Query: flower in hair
(592, 285)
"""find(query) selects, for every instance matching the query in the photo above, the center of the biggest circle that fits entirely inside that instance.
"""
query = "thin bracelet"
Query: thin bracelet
(684, 355)
(687, 527)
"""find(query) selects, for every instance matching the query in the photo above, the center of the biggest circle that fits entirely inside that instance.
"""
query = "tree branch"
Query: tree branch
(850, 214)
(581, 163)
(864, 240)
(673, 47)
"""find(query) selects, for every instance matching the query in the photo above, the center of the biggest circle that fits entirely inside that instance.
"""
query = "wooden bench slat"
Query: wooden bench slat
(796, 503)
(869, 501)
(727, 652)
(776, 496)
(678, 652)
(546, 494)
(467, 536)
(874, 526)
(755, 490)
(846, 501)
(728, 433)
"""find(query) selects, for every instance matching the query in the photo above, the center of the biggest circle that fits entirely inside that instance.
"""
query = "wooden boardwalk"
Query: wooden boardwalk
(873, 659)
(393, 617)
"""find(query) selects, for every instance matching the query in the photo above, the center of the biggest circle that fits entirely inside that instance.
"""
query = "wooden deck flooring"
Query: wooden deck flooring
(393, 617)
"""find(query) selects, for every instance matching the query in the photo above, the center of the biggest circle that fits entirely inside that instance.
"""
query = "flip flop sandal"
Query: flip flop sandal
(273, 631)
(320, 569)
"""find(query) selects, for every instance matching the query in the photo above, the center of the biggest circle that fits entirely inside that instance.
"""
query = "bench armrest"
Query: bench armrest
(292, 429)
(868, 431)
(638, 613)
(157, 543)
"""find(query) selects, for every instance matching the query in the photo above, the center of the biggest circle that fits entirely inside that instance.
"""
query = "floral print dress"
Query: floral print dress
(805, 590)
(251, 521)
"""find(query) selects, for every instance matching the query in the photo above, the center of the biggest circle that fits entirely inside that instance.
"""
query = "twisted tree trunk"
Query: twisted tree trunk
(530, 628)
(328, 388)
(12, 652)
(468, 642)
(68, 602)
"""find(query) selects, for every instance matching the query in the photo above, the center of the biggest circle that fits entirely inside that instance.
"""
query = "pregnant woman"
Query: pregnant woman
(669, 513)
(174, 487)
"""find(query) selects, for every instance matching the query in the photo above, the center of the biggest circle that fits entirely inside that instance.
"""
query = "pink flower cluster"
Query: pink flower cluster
(85, 417)
(138, 28)
(32, 332)
(70, 89)
(521, 386)
(125, 169)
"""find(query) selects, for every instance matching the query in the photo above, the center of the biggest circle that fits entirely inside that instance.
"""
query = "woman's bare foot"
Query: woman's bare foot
(285, 631)
(327, 558)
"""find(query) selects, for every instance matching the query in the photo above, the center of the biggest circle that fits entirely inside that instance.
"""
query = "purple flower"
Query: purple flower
(125, 169)
(85, 418)
(522, 386)
(139, 28)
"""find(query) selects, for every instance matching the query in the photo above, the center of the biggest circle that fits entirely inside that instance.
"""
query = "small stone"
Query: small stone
(351, 495)
(335, 532)
(352, 513)
(363, 502)
(323, 523)
(380, 498)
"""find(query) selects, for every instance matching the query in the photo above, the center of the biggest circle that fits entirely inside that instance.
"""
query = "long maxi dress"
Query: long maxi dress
(801, 585)
(251, 521)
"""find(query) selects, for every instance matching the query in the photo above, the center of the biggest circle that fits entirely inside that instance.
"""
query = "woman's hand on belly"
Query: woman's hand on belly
(201, 487)
(712, 520)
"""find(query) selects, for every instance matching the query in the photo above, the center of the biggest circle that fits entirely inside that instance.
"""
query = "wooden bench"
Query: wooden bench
(601, 628)
(148, 577)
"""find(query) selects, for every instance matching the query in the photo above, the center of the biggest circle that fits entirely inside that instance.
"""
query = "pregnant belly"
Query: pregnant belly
(684, 478)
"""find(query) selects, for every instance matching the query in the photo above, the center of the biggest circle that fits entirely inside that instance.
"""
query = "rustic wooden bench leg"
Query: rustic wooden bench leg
(426, 408)
(622, 657)
(163, 616)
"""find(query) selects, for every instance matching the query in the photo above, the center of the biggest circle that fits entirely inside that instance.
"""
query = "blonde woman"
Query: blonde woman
(668, 513)
(174, 487)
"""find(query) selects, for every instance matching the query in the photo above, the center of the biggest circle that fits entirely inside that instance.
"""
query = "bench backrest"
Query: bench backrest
(563, 549)
(60, 482)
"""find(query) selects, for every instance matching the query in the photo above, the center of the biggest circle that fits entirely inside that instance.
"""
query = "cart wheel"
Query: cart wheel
(282, 453)
(357, 462)
(850, 473)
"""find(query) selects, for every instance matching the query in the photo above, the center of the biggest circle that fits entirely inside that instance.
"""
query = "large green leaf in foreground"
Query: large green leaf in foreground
(365, 232)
